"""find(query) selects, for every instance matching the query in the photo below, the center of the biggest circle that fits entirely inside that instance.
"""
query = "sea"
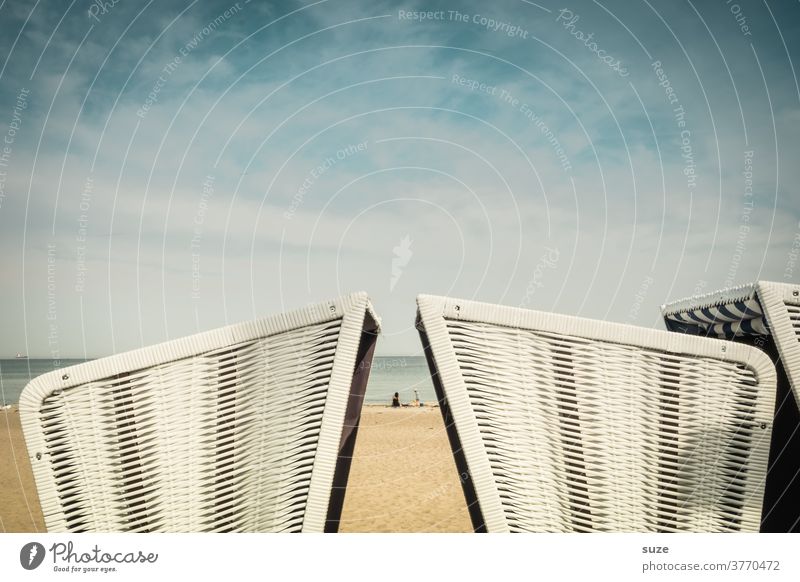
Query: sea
(388, 374)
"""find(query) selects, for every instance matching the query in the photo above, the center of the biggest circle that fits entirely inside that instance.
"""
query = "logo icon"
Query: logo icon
(402, 255)
(31, 555)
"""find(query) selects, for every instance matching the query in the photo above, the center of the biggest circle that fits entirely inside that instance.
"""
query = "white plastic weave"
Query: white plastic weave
(779, 337)
(569, 424)
(237, 429)
(780, 303)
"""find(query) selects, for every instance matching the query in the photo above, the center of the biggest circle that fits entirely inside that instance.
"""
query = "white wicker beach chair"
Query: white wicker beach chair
(250, 427)
(765, 315)
(561, 424)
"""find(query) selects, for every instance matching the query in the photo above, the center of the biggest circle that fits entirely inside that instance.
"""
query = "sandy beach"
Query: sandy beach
(19, 504)
(403, 478)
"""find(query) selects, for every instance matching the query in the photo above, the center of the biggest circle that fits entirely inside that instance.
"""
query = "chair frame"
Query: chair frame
(478, 482)
(340, 419)
(782, 345)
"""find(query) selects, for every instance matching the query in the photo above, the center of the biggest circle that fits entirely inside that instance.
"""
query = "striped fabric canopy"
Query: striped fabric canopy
(726, 314)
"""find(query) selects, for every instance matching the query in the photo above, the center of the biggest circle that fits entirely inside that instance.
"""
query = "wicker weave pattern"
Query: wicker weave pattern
(223, 440)
(780, 339)
(579, 433)
(794, 318)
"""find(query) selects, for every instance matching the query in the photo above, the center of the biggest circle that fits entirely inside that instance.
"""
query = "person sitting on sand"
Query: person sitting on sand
(396, 400)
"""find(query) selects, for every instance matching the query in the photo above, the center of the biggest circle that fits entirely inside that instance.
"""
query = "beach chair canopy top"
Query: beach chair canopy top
(726, 314)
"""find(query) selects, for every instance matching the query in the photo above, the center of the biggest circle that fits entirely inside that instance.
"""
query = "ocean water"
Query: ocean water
(402, 374)
(15, 375)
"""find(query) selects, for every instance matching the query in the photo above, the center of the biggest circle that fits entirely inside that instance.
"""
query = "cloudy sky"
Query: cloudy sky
(171, 167)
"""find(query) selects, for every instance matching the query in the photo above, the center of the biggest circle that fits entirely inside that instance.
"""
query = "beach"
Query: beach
(403, 478)
(19, 503)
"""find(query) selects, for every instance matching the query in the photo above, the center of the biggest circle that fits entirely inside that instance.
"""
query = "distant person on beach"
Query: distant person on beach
(396, 400)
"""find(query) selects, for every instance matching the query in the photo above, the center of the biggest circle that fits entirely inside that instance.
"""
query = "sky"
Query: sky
(172, 167)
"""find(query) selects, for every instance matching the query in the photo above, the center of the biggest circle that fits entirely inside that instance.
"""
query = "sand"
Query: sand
(19, 504)
(403, 478)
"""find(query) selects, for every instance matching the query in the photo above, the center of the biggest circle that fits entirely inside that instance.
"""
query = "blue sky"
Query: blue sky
(176, 166)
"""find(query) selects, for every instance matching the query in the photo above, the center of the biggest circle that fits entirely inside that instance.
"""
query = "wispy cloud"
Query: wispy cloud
(333, 130)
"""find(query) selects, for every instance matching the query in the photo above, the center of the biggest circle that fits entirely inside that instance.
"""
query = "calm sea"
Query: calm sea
(402, 374)
(388, 375)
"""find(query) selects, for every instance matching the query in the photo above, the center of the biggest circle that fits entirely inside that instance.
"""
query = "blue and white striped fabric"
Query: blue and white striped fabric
(727, 320)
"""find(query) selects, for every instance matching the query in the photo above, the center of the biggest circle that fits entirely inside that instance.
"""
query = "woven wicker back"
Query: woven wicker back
(793, 310)
(779, 338)
(562, 424)
(233, 430)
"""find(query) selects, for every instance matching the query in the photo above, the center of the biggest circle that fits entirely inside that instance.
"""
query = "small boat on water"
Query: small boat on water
(21, 357)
